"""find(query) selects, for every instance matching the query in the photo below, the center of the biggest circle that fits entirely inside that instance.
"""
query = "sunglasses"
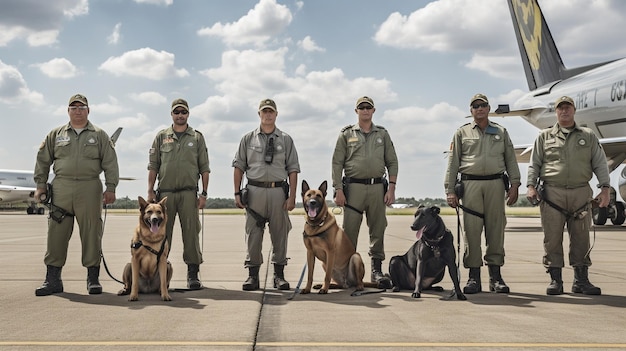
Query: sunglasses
(180, 112)
(368, 107)
(477, 106)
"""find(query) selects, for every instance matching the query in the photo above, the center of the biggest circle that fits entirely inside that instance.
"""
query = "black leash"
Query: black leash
(106, 267)
(470, 211)
(297, 289)
(354, 209)
(459, 228)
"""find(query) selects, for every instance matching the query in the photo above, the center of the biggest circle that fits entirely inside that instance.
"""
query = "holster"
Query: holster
(459, 188)
(286, 190)
(55, 212)
(385, 186)
(507, 183)
(344, 186)
(244, 196)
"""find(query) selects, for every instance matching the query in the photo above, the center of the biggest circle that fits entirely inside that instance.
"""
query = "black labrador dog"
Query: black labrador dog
(426, 261)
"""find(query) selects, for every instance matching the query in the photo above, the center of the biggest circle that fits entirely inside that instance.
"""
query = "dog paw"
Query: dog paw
(166, 298)
(396, 289)
(133, 298)
(305, 291)
(123, 292)
(416, 295)
(323, 291)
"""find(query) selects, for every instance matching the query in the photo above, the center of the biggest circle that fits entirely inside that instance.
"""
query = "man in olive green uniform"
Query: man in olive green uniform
(79, 151)
(268, 157)
(363, 154)
(179, 158)
(564, 158)
(480, 154)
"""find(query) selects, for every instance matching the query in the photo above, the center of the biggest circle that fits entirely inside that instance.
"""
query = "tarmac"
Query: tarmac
(223, 317)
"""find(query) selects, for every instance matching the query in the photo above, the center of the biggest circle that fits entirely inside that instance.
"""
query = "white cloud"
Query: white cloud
(13, 87)
(307, 44)
(155, 2)
(264, 21)
(146, 63)
(80, 8)
(58, 68)
(114, 38)
(149, 97)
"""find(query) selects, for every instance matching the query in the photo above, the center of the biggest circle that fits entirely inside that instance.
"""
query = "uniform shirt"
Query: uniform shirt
(179, 162)
(250, 157)
(361, 155)
(477, 152)
(77, 156)
(567, 160)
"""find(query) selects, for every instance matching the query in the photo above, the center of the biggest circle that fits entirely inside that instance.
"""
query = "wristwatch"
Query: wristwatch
(203, 193)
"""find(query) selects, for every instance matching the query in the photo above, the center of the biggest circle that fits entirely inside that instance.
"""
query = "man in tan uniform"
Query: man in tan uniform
(481, 153)
(179, 158)
(564, 158)
(79, 151)
(268, 157)
(364, 153)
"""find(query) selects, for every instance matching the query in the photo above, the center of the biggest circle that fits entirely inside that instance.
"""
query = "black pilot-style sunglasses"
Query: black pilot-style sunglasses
(477, 106)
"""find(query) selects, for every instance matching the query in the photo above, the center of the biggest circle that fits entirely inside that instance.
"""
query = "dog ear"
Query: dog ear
(436, 209)
(305, 187)
(142, 202)
(323, 187)
(162, 202)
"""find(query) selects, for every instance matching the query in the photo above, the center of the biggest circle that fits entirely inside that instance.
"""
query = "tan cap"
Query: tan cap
(365, 99)
(180, 103)
(481, 97)
(564, 99)
(267, 103)
(78, 98)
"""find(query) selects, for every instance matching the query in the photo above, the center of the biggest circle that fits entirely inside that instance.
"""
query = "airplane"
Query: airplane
(598, 90)
(18, 186)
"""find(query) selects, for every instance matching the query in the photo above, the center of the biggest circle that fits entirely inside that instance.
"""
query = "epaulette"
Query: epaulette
(197, 131)
(379, 127)
(347, 127)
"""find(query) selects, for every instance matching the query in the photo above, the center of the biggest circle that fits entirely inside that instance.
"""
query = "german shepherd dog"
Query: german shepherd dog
(424, 264)
(148, 270)
(327, 242)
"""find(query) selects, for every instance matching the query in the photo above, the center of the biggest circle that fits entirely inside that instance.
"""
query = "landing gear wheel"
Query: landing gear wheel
(30, 210)
(600, 214)
(41, 210)
(619, 216)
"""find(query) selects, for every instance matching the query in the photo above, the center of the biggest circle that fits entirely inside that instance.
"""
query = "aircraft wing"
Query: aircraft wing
(9, 193)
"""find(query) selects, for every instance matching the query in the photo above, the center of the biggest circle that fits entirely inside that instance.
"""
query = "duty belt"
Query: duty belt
(364, 181)
(177, 190)
(267, 184)
(479, 177)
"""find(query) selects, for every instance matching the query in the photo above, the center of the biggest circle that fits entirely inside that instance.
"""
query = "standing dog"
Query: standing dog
(325, 240)
(148, 270)
(426, 261)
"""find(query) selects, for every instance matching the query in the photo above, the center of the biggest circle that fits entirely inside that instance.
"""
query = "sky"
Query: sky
(420, 61)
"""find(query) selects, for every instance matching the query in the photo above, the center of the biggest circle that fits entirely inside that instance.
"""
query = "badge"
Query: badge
(582, 142)
(190, 144)
(353, 139)
(168, 140)
(62, 139)
(379, 140)
(497, 137)
(152, 151)
(279, 147)
(91, 141)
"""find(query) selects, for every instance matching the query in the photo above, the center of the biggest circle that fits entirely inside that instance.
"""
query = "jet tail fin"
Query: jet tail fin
(116, 135)
(542, 62)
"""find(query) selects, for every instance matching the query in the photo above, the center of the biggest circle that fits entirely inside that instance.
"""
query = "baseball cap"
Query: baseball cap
(78, 98)
(180, 103)
(267, 103)
(481, 97)
(564, 99)
(366, 100)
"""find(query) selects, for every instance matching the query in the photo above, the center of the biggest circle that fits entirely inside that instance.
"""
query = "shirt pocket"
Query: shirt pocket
(552, 152)
(62, 149)
(497, 145)
(470, 146)
(91, 151)
(167, 152)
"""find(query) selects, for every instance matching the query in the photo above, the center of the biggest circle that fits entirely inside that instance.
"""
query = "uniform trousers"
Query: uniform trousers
(369, 199)
(553, 223)
(185, 203)
(83, 198)
(268, 203)
(486, 197)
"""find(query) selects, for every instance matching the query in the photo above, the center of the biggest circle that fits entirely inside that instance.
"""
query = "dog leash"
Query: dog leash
(458, 243)
(106, 267)
(297, 289)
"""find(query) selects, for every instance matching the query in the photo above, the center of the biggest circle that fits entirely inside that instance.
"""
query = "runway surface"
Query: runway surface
(223, 317)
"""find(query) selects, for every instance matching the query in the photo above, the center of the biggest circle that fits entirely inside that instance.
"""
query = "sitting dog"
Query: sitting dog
(148, 270)
(325, 240)
(425, 262)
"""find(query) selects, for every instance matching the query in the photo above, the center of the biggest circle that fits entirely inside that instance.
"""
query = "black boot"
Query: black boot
(252, 283)
(496, 283)
(53, 283)
(383, 281)
(279, 278)
(582, 284)
(193, 283)
(473, 283)
(556, 283)
(93, 284)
